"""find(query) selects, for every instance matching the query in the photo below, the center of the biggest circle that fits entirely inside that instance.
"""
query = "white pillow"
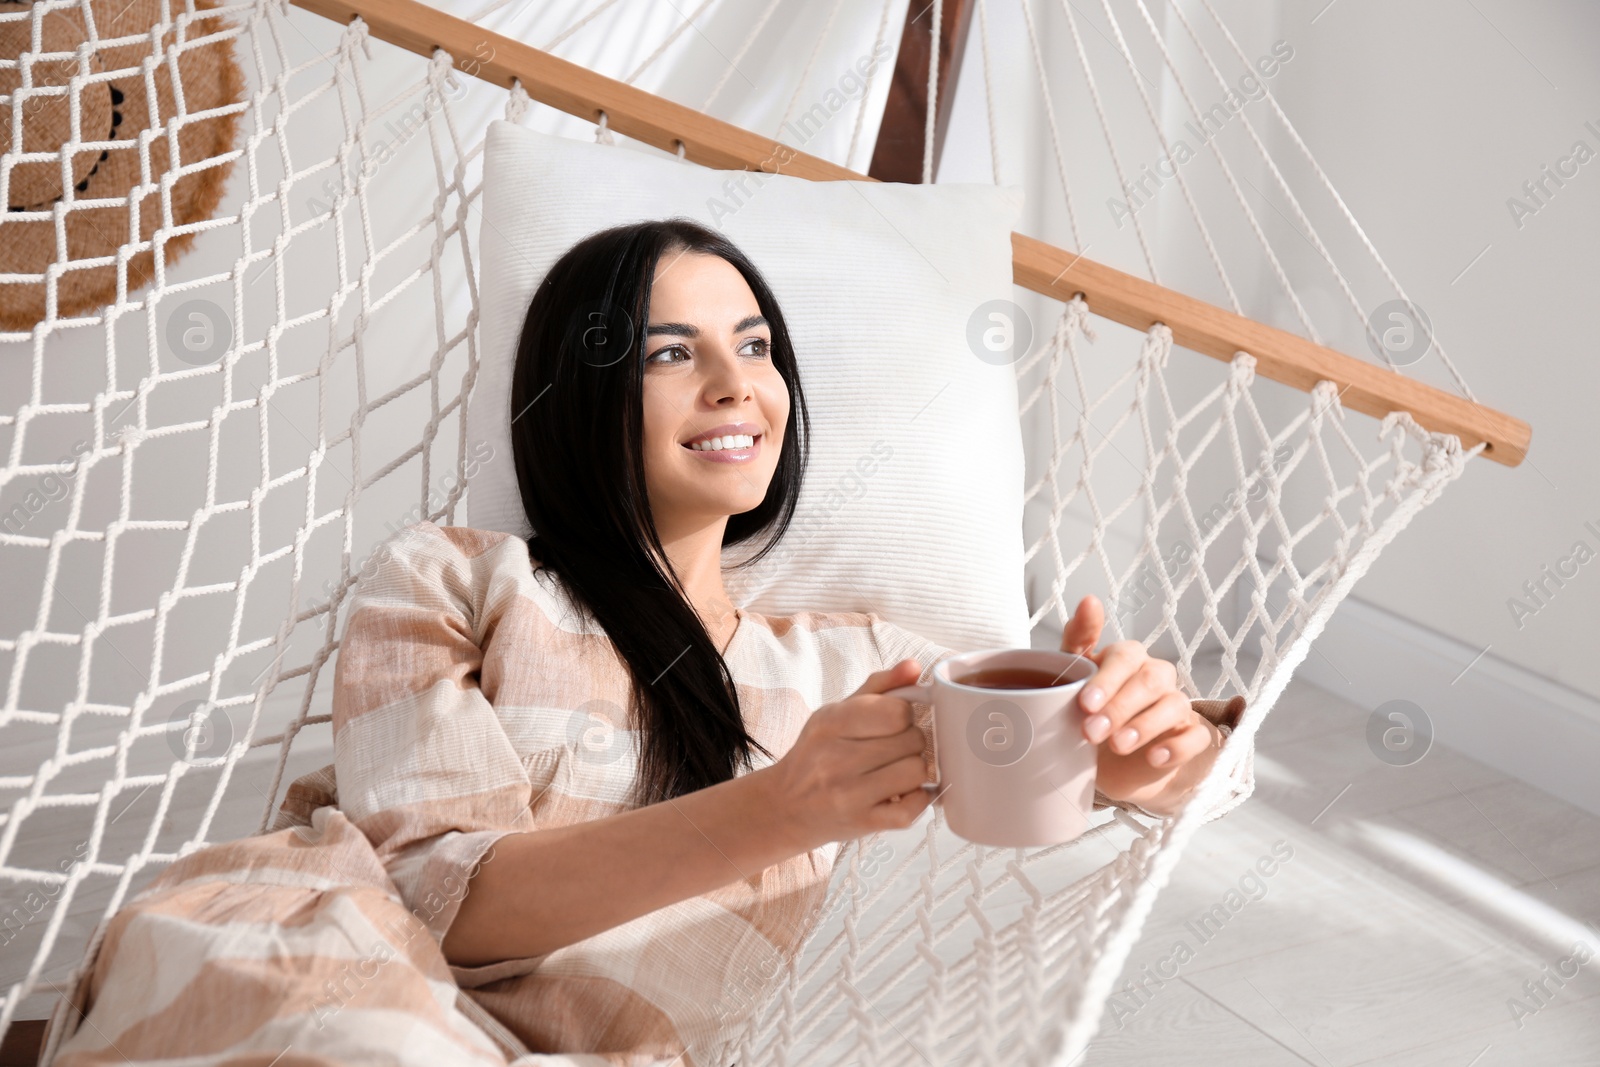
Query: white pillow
(912, 503)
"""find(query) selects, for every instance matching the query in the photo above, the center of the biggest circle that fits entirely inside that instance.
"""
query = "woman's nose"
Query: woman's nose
(728, 380)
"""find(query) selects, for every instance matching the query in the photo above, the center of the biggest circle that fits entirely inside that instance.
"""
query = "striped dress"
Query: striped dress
(473, 698)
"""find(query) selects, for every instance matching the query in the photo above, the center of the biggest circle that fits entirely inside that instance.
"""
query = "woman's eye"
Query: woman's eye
(669, 350)
(670, 354)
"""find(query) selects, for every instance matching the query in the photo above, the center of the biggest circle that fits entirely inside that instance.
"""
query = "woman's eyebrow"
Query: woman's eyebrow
(684, 329)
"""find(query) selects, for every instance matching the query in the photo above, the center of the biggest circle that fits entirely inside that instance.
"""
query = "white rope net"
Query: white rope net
(194, 473)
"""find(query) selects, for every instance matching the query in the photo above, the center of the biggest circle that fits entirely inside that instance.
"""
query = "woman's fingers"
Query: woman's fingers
(901, 810)
(880, 752)
(1128, 680)
(1181, 745)
(1170, 710)
(899, 796)
(1152, 680)
(1117, 664)
(869, 713)
(904, 672)
(1082, 631)
(904, 775)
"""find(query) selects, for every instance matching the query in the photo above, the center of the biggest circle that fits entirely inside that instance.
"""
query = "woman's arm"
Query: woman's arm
(541, 890)
(856, 768)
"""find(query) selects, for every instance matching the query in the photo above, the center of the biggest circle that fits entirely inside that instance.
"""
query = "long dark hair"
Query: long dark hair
(577, 436)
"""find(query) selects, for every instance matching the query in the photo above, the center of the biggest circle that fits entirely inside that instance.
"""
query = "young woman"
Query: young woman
(615, 796)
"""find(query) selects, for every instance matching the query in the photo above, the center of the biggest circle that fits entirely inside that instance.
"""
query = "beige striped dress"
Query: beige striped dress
(472, 699)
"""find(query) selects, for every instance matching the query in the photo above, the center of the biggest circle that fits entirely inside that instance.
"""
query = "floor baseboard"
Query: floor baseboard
(1518, 722)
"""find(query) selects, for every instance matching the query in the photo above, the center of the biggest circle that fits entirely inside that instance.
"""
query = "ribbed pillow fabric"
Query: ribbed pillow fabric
(912, 504)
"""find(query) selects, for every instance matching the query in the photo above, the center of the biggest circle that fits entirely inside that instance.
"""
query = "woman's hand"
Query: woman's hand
(1156, 747)
(856, 767)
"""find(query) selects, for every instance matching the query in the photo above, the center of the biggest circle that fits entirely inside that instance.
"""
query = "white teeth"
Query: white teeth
(717, 444)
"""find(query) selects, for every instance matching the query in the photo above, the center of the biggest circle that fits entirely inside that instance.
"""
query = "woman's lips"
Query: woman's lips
(729, 455)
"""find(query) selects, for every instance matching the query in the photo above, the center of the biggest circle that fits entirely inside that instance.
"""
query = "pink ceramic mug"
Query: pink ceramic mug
(1014, 767)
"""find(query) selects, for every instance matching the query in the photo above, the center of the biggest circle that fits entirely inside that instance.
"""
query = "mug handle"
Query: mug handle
(921, 694)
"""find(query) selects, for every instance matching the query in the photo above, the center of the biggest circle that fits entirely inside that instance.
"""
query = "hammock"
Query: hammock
(185, 587)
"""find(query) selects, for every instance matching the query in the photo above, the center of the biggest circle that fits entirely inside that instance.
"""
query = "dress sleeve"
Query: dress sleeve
(1242, 781)
(894, 643)
(424, 766)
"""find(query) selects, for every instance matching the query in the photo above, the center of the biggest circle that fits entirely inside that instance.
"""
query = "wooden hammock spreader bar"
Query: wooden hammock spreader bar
(1037, 265)
(1280, 355)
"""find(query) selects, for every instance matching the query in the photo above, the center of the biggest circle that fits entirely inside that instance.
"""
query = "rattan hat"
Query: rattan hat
(114, 103)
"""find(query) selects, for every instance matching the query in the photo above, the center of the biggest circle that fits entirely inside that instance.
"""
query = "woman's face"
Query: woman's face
(714, 404)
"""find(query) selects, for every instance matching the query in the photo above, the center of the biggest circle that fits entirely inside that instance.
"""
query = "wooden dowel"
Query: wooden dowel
(1280, 355)
(1037, 265)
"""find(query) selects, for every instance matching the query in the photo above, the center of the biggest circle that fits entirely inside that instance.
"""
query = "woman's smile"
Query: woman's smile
(729, 442)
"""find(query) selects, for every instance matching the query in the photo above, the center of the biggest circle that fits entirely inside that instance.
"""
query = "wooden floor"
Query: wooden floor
(1416, 904)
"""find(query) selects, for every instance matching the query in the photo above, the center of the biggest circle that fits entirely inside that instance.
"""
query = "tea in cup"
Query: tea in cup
(1015, 769)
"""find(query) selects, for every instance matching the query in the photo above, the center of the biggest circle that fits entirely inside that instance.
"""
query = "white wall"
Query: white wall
(1427, 117)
